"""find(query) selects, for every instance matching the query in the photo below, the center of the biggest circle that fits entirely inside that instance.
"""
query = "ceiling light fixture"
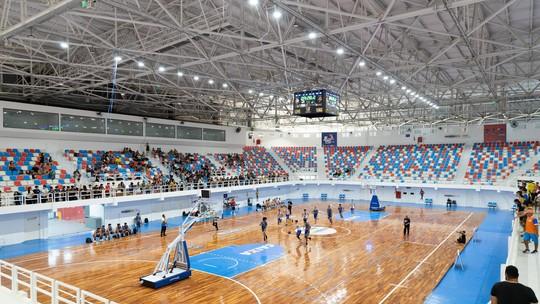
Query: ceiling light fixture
(210, 81)
(225, 85)
(312, 35)
(276, 14)
(340, 51)
(140, 64)
(196, 78)
(161, 69)
(117, 58)
(379, 73)
(362, 63)
(180, 74)
(253, 2)
(64, 45)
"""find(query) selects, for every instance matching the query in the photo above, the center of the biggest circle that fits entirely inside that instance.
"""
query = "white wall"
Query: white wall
(20, 227)
(437, 135)
(58, 141)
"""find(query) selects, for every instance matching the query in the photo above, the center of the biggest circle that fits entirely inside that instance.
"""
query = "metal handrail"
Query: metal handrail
(84, 194)
(59, 292)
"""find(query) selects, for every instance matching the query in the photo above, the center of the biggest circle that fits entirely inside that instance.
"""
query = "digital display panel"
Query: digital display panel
(315, 103)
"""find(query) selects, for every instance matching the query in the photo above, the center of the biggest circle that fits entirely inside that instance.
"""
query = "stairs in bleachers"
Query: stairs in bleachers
(321, 163)
(462, 167)
(218, 164)
(281, 163)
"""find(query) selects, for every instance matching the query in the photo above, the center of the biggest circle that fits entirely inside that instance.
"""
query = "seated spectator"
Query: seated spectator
(511, 291)
(105, 233)
(126, 230)
(97, 234)
(118, 231)
(110, 231)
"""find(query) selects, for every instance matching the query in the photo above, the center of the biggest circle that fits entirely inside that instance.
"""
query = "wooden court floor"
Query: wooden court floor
(364, 262)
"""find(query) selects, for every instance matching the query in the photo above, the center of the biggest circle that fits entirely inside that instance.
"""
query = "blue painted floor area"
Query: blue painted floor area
(362, 216)
(231, 261)
(481, 259)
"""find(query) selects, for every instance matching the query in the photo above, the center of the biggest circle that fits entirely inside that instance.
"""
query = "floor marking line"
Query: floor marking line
(424, 260)
(235, 281)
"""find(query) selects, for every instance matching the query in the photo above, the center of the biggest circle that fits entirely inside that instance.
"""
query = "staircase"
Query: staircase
(365, 161)
(463, 164)
(281, 163)
(69, 166)
(321, 163)
(215, 162)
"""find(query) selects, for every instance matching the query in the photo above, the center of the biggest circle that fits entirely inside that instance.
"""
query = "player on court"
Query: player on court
(315, 214)
(289, 207)
(305, 215)
(406, 227)
(340, 210)
(307, 230)
(279, 216)
(329, 214)
(287, 217)
(264, 225)
(298, 230)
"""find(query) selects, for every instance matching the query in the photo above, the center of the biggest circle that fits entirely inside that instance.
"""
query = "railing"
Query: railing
(83, 194)
(41, 289)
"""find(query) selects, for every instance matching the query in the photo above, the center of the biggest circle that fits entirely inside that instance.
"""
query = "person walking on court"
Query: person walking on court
(315, 214)
(215, 223)
(406, 227)
(421, 194)
(329, 214)
(531, 231)
(510, 291)
(307, 230)
(298, 230)
(305, 215)
(163, 225)
(340, 210)
(264, 225)
(279, 216)
(138, 222)
(289, 207)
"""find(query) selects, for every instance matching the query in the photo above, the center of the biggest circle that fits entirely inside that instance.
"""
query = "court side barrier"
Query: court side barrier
(89, 193)
(42, 289)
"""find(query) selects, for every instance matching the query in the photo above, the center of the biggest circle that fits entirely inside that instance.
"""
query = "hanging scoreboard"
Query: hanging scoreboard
(316, 103)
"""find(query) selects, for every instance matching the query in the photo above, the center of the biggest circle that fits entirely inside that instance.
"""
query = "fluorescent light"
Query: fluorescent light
(385, 78)
(412, 93)
(64, 45)
(117, 58)
(408, 90)
(276, 14)
(261, 94)
(253, 2)
(140, 64)
(340, 51)
(362, 63)
(392, 81)
(271, 96)
(122, 94)
(210, 81)
(379, 73)
(195, 78)
(250, 91)
(403, 87)
(312, 35)
(161, 69)
(180, 74)
(225, 85)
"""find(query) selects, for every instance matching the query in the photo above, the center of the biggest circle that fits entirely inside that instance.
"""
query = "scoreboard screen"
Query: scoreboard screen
(316, 103)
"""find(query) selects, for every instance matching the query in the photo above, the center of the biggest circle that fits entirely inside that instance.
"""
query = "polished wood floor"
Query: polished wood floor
(364, 262)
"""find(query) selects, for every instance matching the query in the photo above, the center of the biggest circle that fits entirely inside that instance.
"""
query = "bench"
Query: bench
(492, 205)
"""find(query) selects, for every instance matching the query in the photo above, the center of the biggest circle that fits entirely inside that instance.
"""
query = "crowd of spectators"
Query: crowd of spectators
(43, 166)
(106, 167)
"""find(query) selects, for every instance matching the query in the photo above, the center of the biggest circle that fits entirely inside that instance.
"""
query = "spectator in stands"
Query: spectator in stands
(511, 291)
(531, 231)
(12, 168)
(77, 175)
(520, 212)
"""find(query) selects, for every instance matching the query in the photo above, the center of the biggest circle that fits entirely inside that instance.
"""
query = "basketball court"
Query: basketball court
(359, 259)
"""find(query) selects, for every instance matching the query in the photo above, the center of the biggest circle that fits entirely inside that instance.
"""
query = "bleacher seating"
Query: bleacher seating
(21, 175)
(344, 161)
(123, 166)
(298, 158)
(254, 160)
(422, 163)
(493, 162)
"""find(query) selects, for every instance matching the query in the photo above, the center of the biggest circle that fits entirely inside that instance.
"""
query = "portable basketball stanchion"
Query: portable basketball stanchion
(458, 262)
(174, 265)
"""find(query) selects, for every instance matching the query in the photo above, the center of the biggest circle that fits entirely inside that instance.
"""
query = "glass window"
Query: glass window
(21, 119)
(159, 130)
(214, 134)
(124, 127)
(82, 124)
(185, 132)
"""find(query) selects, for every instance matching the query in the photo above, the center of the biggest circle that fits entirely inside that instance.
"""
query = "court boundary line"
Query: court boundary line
(234, 281)
(424, 260)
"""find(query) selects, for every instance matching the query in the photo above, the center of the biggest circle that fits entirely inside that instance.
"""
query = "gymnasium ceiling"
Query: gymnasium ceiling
(234, 62)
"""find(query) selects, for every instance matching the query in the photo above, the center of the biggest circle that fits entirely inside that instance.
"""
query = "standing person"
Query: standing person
(511, 291)
(279, 216)
(421, 194)
(233, 210)
(138, 222)
(298, 230)
(307, 230)
(264, 225)
(406, 227)
(257, 195)
(163, 225)
(289, 207)
(340, 210)
(329, 214)
(315, 214)
(531, 231)
(305, 215)
(287, 217)
(215, 223)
